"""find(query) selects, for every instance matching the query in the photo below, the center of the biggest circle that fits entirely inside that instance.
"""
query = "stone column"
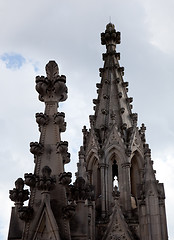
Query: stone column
(91, 220)
(125, 193)
(143, 221)
(103, 189)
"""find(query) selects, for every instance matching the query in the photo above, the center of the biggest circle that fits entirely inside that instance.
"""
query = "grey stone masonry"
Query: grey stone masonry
(116, 195)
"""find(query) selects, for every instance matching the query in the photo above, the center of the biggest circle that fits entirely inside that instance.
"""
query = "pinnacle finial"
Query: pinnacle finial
(110, 27)
(110, 36)
(53, 87)
(52, 70)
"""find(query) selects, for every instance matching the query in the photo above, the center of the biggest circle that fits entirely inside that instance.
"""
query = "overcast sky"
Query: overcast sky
(34, 32)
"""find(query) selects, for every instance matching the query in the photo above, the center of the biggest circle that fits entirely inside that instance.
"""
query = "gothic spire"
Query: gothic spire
(50, 156)
(112, 104)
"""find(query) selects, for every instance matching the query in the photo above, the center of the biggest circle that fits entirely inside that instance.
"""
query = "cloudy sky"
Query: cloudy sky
(68, 31)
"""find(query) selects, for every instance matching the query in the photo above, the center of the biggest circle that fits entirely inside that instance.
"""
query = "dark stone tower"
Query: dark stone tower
(116, 194)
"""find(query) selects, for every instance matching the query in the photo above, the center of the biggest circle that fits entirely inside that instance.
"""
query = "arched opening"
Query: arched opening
(115, 178)
(115, 174)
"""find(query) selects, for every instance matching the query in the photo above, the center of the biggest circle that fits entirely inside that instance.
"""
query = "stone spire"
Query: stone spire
(115, 194)
(112, 104)
(117, 160)
(50, 156)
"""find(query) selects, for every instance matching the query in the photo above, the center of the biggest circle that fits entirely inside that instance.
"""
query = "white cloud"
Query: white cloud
(159, 19)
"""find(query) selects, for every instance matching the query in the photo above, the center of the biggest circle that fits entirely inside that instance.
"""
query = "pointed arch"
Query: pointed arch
(94, 171)
(118, 151)
(90, 158)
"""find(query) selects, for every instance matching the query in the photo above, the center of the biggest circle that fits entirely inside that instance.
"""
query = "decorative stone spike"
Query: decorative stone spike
(92, 119)
(130, 99)
(45, 182)
(104, 56)
(98, 85)
(42, 119)
(121, 70)
(52, 87)
(118, 56)
(95, 101)
(30, 179)
(81, 191)
(18, 194)
(36, 148)
(110, 35)
(134, 117)
(62, 148)
(147, 150)
(125, 84)
(59, 120)
(65, 178)
(143, 128)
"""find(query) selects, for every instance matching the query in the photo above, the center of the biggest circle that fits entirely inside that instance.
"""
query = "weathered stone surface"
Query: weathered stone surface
(115, 194)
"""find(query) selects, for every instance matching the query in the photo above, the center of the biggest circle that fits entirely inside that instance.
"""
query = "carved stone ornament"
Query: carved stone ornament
(92, 119)
(160, 188)
(134, 117)
(45, 182)
(25, 213)
(36, 148)
(128, 152)
(18, 194)
(110, 35)
(68, 211)
(147, 151)
(59, 119)
(52, 87)
(121, 70)
(62, 148)
(42, 119)
(80, 191)
(124, 126)
(30, 179)
(65, 178)
(95, 101)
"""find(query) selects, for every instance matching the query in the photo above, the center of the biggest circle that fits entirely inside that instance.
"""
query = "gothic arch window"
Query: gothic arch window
(115, 172)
